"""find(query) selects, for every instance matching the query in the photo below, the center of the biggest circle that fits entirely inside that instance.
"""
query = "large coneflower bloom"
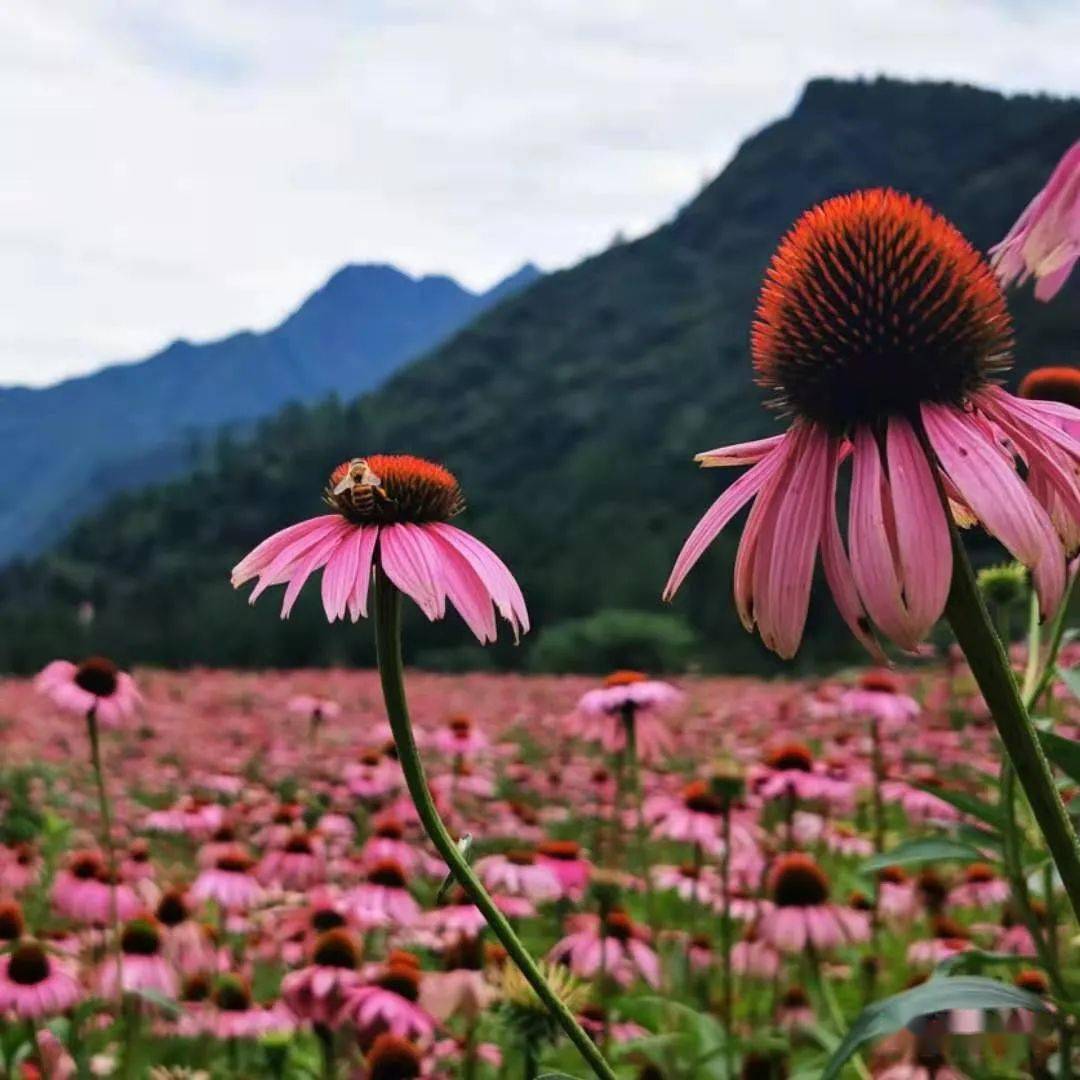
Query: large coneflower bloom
(880, 329)
(144, 967)
(96, 685)
(1045, 241)
(391, 510)
(317, 992)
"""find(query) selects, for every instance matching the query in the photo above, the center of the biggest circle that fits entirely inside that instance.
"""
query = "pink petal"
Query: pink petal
(872, 559)
(747, 453)
(784, 568)
(405, 558)
(339, 577)
(358, 598)
(308, 564)
(500, 583)
(285, 563)
(924, 546)
(465, 588)
(1000, 499)
(834, 561)
(253, 564)
(721, 512)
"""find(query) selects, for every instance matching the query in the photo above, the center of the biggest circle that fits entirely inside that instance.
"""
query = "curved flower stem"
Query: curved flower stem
(388, 650)
(974, 631)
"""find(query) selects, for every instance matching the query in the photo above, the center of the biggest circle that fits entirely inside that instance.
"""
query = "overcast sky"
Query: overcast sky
(190, 167)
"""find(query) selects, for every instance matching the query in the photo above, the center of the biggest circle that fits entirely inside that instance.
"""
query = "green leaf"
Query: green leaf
(937, 995)
(1064, 753)
(968, 804)
(1071, 678)
(158, 1000)
(932, 849)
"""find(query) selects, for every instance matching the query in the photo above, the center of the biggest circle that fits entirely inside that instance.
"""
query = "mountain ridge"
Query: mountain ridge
(570, 413)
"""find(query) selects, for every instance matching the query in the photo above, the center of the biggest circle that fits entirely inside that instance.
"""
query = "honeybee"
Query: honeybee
(356, 486)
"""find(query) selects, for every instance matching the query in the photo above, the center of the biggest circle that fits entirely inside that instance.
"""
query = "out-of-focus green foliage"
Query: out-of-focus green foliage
(612, 639)
(570, 413)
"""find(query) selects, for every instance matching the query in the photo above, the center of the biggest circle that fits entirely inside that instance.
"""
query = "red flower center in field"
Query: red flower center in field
(326, 919)
(521, 857)
(795, 997)
(798, 881)
(385, 489)
(140, 938)
(873, 304)
(336, 948)
(403, 980)
(946, 929)
(459, 725)
(388, 873)
(232, 994)
(624, 678)
(1031, 980)
(979, 874)
(11, 922)
(390, 829)
(883, 682)
(892, 875)
(172, 908)
(618, 925)
(793, 757)
(234, 862)
(29, 964)
(698, 798)
(1052, 384)
(86, 866)
(563, 850)
(299, 844)
(393, 1058)
(98, 676)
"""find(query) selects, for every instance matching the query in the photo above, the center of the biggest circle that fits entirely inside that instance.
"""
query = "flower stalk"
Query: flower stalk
(971, 623)
(391, 673)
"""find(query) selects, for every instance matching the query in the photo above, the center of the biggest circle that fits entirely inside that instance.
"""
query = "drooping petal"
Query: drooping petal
(311, 561)
(495, 574)
(784, 570)
(924, 547)
(837, 567)
(462, 584)
(873, 561)
(358, 597)
(404, 557)
(747, 453)
(293, 538)
(1000, 499)
(720, 513)
(339, 577)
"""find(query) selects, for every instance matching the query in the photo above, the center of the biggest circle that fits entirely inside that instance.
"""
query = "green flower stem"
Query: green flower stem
(1057, 634)
(986, 657)
(725, 944)
(388, 650)
(107, 843)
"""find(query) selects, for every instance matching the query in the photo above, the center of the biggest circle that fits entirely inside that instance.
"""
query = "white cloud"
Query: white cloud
(191, 168)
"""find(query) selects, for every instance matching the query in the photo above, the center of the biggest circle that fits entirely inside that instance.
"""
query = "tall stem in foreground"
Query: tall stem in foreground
(388, 650)
(986, 657)
(107, 844)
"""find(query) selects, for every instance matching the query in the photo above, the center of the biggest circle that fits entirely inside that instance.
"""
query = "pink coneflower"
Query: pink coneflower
(803, 914)
(298, 865)
(691, 881)
(603, 715)
(317, 993)
(878, 698)
(314, 708)
(948, 939)
(753, 956)
(695, 818)
(34, 984)
(94, 685)
(564, 858)
(599, 1024)
(233, 1014)
(614, 945)
(844, 840)
(794, 1011)
(981, 887)
(791, 772)
(393, 509)
(229, 882)
(896, 894)
(19, 867)
(460, 737)
(518, 873)
(373, 776)
(83, 892)
(383, 899)
(1045, 241)
(191, 816)
(387, 841)
(136, 864)
(390, 1004)
(393, 1058)
(143, 968)
(881, 328)
(188, 945)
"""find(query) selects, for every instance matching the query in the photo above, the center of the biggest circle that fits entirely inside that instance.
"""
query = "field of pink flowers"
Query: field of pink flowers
(281, 914)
